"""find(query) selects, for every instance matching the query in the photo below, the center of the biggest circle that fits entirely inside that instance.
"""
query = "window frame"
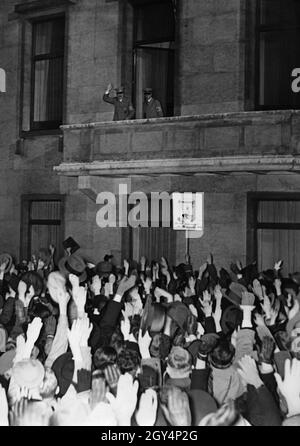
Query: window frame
(253, 225)
(46, 125)
(27, 222)
(146, 44)
(259, 29)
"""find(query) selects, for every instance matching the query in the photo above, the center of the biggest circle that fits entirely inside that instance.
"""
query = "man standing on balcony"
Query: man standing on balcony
(152, 107)
(123, 107)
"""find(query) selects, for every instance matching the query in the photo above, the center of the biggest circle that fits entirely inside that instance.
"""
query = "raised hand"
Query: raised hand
(98, 390)
(74, 337)
(126, 266)
(278, 265)
(124, 403)
(202, 269)
(125, 326)
(192, 284)
(177, 411)
(112, 375)
(147, 411)
(147, 283)
(86, 329)
(96, 285)
(125, 284)
(267, 349)
(289, 387)
(79, 296)
(74, 280)
(248, 371)
(143, 263)
(144, 344)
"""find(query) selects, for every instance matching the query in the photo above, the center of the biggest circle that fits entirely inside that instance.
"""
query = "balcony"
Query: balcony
(262, 142)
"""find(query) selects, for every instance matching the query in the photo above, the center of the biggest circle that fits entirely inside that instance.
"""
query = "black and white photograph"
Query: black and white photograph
(149, 216)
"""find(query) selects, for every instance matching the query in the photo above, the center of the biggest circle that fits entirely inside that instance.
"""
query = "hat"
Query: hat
(63, 368)
(73, 264)
(28, 373)
(153, 317)
(148, 90)
(6, 361)
(201, 404)
(103, 268)
(3, 339)
(179, 313)
(8, 259)
(120, 90)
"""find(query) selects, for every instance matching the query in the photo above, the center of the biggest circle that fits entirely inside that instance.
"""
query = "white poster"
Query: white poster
(188, 212)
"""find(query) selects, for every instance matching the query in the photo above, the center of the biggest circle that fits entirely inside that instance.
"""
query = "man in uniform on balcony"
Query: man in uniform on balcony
(152, 107)
(123, 107)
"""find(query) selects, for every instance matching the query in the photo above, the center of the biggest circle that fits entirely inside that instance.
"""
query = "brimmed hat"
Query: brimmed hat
(153, 317)
(179, 312)
(6, 361)
(73, 264)
(104, 268)
(28, 373)
(8, 259)
(148, 90)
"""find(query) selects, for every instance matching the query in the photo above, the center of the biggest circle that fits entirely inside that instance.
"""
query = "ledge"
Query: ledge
(237, 118)
(183, 166)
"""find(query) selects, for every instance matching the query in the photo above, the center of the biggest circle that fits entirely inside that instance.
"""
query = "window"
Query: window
(47, 65)
(278, 53)
(155, 240)
(41, 224)
(153, 46)
(274, 230)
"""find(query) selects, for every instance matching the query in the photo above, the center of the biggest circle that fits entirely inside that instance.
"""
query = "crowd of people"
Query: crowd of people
(147, 344)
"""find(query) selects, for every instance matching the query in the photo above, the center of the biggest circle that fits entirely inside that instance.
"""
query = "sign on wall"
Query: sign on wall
(188, 212)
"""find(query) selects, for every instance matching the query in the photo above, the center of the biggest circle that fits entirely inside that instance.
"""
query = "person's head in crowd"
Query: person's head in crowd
(179, 363)
(223, 354)
(117, 341)
(160, 346)
(129, 361)
(32, 283)
(104, 356)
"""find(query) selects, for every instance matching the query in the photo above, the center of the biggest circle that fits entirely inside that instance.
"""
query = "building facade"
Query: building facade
(222, 71)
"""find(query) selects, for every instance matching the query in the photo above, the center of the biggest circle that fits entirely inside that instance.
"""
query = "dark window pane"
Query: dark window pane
(48, 87)
(279, 55)
(49, 37)
(155, 69)
(155, 22)
(279, 212)
(44, 235)
(274, 245)
(45, 210)
(280, 13)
